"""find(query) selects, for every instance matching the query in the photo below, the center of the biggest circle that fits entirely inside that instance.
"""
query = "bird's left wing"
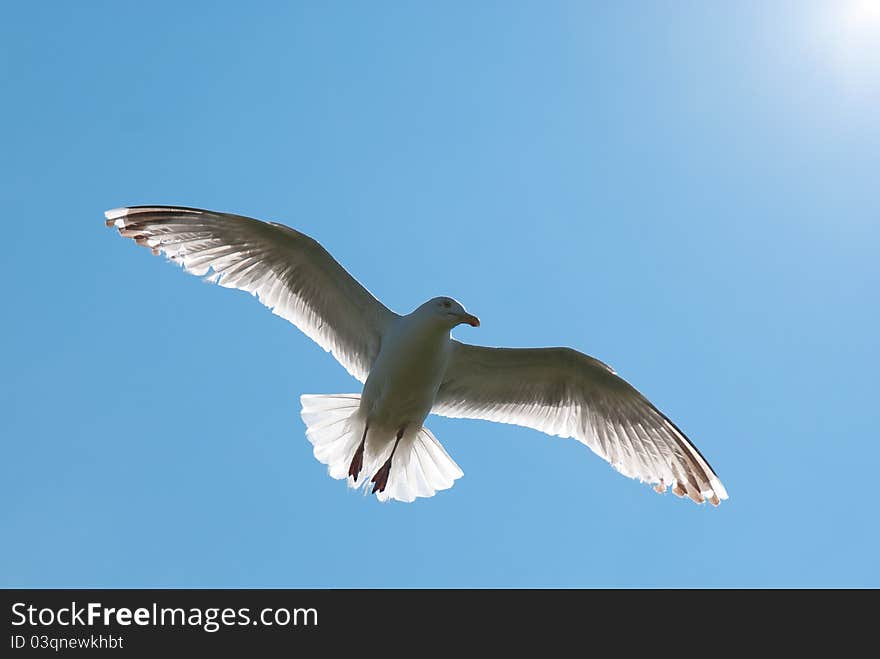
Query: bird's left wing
(563, 392)
(287, 270)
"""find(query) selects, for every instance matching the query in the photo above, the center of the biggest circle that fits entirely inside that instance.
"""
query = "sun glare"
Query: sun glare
(855, 20)
(848, 33)
(860, 19)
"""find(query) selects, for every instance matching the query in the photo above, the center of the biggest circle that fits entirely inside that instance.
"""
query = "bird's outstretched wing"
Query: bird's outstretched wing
(286, 270)
(563, 392)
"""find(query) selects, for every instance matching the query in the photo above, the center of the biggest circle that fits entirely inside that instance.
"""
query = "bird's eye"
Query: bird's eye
(447, 303)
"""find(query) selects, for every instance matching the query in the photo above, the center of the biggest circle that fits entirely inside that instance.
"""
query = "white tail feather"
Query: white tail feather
(420, 468)
(333, 428)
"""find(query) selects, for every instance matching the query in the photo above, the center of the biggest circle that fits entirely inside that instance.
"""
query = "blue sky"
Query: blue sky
(685, 190)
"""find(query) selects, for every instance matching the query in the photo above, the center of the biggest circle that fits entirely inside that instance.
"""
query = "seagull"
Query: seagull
(411, 367)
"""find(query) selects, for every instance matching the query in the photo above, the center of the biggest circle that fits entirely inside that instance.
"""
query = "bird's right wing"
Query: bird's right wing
(286, 270)
(563, 392)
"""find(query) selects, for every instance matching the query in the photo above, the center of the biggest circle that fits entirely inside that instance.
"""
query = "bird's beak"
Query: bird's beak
(473, 321)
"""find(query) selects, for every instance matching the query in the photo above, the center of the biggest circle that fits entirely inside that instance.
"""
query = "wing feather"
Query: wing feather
(563, 392)
(286, 270)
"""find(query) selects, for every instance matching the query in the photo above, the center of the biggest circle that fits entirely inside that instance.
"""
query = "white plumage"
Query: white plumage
(410, 366)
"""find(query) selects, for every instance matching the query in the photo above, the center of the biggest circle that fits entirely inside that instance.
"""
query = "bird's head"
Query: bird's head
(450, 312)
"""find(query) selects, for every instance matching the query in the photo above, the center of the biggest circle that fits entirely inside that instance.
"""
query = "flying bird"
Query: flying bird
(410, 366)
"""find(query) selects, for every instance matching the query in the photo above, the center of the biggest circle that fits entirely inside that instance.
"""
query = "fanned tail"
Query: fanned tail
(335, 427)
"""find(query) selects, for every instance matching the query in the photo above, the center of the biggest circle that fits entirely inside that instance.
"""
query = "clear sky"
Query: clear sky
(689, 191)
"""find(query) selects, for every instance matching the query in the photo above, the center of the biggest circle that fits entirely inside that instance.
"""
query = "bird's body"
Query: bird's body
(410, 366)
(403, 383)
